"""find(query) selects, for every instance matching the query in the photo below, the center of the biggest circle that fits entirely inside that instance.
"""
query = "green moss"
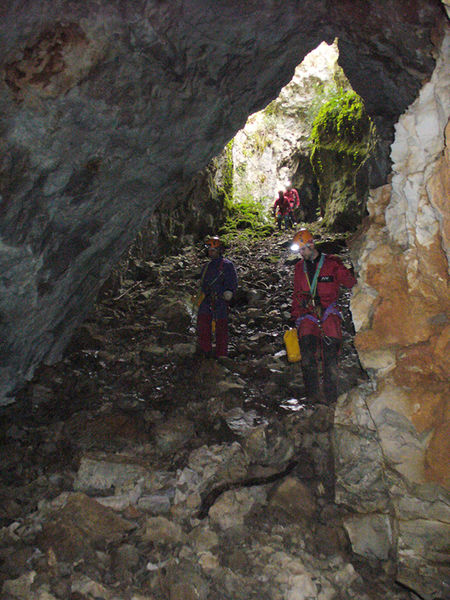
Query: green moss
(342, 138)
(226, 190)
(342, 125)
(247, 218)
(322, 92)
(228, 171)
(273, 109)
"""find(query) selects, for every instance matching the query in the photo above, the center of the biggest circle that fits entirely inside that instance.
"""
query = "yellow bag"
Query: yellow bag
(197, 299)
(292, 346)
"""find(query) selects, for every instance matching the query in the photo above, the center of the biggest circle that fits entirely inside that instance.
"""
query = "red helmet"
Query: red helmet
(213, 242)
(302, 237)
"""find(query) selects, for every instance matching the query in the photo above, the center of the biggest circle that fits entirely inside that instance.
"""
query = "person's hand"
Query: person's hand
(306, 300)
(227, 295)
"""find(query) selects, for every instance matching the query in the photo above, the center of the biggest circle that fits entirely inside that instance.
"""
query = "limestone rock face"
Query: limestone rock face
(108, 107)
(400, 424)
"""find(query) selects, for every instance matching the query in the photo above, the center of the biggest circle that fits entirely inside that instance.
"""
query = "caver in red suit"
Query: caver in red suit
(282, 211)
(293, 198)
(318, 320)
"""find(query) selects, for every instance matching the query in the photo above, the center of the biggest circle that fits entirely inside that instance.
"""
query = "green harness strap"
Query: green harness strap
(313, 285)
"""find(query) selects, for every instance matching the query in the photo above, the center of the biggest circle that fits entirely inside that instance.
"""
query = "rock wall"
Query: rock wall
(108, 107)
(392, 436)
(175, 224)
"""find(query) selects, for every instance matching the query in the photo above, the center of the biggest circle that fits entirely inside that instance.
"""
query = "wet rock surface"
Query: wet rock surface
(135, 470)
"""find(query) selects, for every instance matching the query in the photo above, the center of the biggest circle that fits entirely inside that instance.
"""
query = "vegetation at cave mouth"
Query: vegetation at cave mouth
(342, 138)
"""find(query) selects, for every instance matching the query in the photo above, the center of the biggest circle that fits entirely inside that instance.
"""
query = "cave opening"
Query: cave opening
(315, 136)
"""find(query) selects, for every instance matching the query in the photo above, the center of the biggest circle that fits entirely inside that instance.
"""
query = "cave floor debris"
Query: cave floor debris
(135, 470)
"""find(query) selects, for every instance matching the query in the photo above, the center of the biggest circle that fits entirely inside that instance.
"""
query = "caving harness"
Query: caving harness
(318, 317)
(199, 296)
(212, 295)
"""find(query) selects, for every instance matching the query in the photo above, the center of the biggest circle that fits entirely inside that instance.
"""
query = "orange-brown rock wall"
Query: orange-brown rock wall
(410, 313)
(401, 310)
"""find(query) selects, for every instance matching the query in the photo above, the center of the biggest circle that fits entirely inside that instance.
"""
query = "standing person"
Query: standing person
(282, 211)
(218, 283)
(317, 281)
(294, 201)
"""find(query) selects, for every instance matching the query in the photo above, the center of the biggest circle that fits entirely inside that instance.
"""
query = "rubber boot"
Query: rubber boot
(309, 349)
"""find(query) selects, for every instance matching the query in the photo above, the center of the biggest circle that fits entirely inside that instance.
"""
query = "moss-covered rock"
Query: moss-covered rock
(247, 218)
(342, 138)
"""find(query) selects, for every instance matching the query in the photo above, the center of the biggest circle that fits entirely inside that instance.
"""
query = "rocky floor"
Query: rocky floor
(134, 470)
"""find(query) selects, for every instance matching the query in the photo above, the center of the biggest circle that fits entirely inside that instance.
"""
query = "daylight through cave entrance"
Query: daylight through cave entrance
(315, 137)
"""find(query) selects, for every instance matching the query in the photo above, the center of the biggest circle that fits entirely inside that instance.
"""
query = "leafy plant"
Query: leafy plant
(261, 141)
(272, 109)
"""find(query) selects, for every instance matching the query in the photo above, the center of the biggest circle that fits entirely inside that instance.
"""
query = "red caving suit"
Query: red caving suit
(319, 323)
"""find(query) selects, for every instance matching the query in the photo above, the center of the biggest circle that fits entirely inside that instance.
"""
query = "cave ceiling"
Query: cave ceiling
(108, 106)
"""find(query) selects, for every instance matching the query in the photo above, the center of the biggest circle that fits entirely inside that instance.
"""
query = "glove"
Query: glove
(227, 295)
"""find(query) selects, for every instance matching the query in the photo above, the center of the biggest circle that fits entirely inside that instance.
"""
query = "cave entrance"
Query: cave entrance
(316, 137)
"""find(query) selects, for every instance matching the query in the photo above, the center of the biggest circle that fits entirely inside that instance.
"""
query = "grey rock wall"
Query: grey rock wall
(107, 107)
